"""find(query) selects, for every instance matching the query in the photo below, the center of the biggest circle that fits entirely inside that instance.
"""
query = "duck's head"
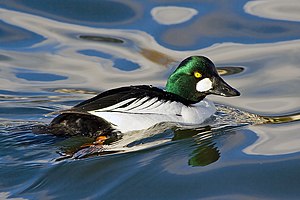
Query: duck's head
(196, 77)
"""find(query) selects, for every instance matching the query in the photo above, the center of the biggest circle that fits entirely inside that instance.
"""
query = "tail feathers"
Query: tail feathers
(71, 124)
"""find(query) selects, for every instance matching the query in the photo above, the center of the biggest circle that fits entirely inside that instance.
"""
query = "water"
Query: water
(53, 55)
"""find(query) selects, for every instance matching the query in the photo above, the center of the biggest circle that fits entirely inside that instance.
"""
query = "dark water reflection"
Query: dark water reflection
(101, 39)
(91, 12)
(55, 54)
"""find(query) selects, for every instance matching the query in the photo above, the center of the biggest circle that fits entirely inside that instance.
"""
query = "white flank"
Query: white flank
(204, 85)
(144, 113)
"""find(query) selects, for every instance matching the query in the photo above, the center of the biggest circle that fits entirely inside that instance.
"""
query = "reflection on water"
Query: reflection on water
(287, 10)
(282, 119)
(55, 54)
(91, 12)
(206, 153)
(101, 39)
(229, 70)
(172, 14)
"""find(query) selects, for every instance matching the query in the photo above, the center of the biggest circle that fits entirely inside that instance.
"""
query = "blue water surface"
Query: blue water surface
(55, 54)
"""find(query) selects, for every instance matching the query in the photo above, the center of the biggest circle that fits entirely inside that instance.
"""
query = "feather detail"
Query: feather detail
(137, 107)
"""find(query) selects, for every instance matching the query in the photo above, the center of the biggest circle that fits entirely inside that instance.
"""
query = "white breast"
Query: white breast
(144, 113)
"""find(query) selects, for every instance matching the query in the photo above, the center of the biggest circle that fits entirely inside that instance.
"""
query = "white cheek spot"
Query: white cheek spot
(204, 85)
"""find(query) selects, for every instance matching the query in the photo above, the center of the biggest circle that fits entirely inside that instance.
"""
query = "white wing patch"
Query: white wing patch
(136, 114)
(144, 105)
(113, 107)
(204, 85)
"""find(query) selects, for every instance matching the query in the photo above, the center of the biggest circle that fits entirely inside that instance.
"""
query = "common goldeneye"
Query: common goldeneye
(125, 109)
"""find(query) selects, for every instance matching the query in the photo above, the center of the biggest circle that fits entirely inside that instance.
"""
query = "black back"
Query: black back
(114, 96)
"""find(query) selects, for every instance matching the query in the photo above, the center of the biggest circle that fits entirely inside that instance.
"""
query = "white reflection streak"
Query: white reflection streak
(283, 140)
(6, 195)
(58, 37)
(56, 33)
(168, 15)
(274, 9)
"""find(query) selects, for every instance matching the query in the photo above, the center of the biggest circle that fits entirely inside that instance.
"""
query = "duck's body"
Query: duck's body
(140, 107)
(146, 112)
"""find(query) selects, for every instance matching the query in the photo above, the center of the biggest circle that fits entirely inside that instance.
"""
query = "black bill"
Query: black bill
(220, 87)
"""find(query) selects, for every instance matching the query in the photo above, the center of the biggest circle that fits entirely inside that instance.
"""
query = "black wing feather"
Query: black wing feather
(114, 96)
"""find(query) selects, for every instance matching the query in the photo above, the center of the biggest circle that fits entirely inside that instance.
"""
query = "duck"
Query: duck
(118, 111)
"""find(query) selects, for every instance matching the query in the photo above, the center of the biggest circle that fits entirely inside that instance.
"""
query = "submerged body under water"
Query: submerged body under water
(54, 55)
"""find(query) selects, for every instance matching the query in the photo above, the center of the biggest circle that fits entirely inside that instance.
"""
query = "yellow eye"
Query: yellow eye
(197, 75)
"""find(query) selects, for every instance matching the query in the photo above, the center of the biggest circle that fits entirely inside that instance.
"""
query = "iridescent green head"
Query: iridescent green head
(196, 77)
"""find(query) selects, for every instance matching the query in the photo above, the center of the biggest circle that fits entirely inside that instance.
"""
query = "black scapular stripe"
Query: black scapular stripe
(114, 96)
